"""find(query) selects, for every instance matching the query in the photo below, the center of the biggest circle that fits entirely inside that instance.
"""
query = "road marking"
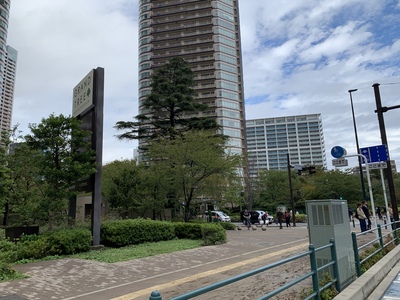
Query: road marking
(147, 291)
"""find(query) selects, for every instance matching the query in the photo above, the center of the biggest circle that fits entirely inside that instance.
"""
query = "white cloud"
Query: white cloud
(299, 57)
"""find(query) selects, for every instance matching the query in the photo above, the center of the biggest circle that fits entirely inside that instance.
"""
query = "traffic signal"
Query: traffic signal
(311, 169)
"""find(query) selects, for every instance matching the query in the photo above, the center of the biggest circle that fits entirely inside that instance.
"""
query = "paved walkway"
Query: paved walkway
(70, 279)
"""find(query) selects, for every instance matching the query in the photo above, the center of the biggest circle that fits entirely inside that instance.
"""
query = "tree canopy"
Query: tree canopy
(190, 161)
(171, 108)
(65, 159)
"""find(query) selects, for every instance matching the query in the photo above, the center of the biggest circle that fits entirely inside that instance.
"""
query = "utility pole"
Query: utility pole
(291, 189)
(379, 110)
(357, 145)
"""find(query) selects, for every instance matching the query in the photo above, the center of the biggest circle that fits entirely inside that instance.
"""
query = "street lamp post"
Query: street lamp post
(357, 145)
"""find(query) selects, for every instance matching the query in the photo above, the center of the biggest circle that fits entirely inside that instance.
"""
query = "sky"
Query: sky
(299, 57)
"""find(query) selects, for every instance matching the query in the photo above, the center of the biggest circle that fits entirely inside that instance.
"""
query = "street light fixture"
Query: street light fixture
(358, 147)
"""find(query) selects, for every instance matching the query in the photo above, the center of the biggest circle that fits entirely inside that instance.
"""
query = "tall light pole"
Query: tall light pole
(358, 147)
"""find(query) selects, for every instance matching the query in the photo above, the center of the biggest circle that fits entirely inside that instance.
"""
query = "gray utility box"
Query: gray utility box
(330, 219)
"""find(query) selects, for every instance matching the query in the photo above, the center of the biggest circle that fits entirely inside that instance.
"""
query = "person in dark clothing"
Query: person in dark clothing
(379, 213)
(279, 217)
(367, 214)
(287, 218)
(350, 214)
(247, 216)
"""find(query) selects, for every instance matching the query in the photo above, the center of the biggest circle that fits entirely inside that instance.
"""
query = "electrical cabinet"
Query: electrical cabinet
(330, 219)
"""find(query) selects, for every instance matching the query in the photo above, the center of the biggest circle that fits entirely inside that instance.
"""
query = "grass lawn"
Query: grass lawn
(111, 255)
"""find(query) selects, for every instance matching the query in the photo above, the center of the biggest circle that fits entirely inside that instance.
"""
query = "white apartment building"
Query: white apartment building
(269, 140)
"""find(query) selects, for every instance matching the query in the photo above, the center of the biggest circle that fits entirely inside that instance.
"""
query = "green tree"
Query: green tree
(66, 159)
(170, 107)
(189, 160)
(25, 193)
(5, 182)
(272, 189)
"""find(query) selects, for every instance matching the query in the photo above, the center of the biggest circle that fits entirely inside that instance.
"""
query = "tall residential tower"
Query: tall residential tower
(7, 94)
(206, 34)
(8, 58)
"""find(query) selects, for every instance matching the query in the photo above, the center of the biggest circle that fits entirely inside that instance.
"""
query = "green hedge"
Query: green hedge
(188, 230)
(120, 233)
(213, 234)
(61, 242)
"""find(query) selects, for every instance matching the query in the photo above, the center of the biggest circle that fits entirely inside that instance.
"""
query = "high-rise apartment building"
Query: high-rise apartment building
(5, 105)
(7, 94)
(206, 34)
(269, 141)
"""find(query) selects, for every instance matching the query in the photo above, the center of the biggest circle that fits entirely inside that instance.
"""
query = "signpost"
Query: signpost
(379, 165)
(87, 106)
(338, 152)
(340, 162)
(375, 153)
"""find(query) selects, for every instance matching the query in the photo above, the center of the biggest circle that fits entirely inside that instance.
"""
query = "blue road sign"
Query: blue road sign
(338, 152)
(375, 154)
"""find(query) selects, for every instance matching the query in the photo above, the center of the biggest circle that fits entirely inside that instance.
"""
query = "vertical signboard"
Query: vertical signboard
(83, 95)
(87, 106)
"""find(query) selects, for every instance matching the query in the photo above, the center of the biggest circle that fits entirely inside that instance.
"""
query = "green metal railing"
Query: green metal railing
(393, 239)
(316, 290)
(391, 236)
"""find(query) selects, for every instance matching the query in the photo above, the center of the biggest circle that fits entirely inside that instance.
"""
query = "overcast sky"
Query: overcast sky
(299, 57)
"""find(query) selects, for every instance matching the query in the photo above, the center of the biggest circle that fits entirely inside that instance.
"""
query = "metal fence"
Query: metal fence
(382, 240)
(311, 253)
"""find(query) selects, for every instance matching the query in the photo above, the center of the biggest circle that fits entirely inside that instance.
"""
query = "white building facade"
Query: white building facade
(269, 140)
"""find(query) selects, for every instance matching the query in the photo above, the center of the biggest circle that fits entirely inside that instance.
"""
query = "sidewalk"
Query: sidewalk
(72, 279)
(69, 279)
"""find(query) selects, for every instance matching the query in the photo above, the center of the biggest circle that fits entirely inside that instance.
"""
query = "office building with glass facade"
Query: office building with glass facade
(269, 140)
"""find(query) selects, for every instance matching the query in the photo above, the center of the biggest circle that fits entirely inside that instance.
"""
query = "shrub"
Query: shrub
(32, 247)
(7, 251)
(301, 218)
(121, 233)
(188, 230)
(227, 225)
(69, 241)
(6, 272)
(213, 234)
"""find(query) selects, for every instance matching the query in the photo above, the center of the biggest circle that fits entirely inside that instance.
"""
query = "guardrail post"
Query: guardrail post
(155, 295)
(336, 265)
(314, 269)
(356, 255)
(380, 236)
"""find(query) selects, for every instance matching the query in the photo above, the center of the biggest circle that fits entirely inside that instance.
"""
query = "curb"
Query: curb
(374, 282)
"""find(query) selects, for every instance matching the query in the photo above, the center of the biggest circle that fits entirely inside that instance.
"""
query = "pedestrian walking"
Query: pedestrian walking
(361, 217)
(379, 213)
(247, 221)
(279, 217)
(287, 218)
(367, 214)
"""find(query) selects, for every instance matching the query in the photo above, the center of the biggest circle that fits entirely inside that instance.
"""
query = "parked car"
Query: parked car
(256, 217)
(253, 216)
(223, 217)
(270, 219)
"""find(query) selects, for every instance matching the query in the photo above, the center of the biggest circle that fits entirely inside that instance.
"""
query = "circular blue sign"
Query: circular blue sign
(338, 152)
